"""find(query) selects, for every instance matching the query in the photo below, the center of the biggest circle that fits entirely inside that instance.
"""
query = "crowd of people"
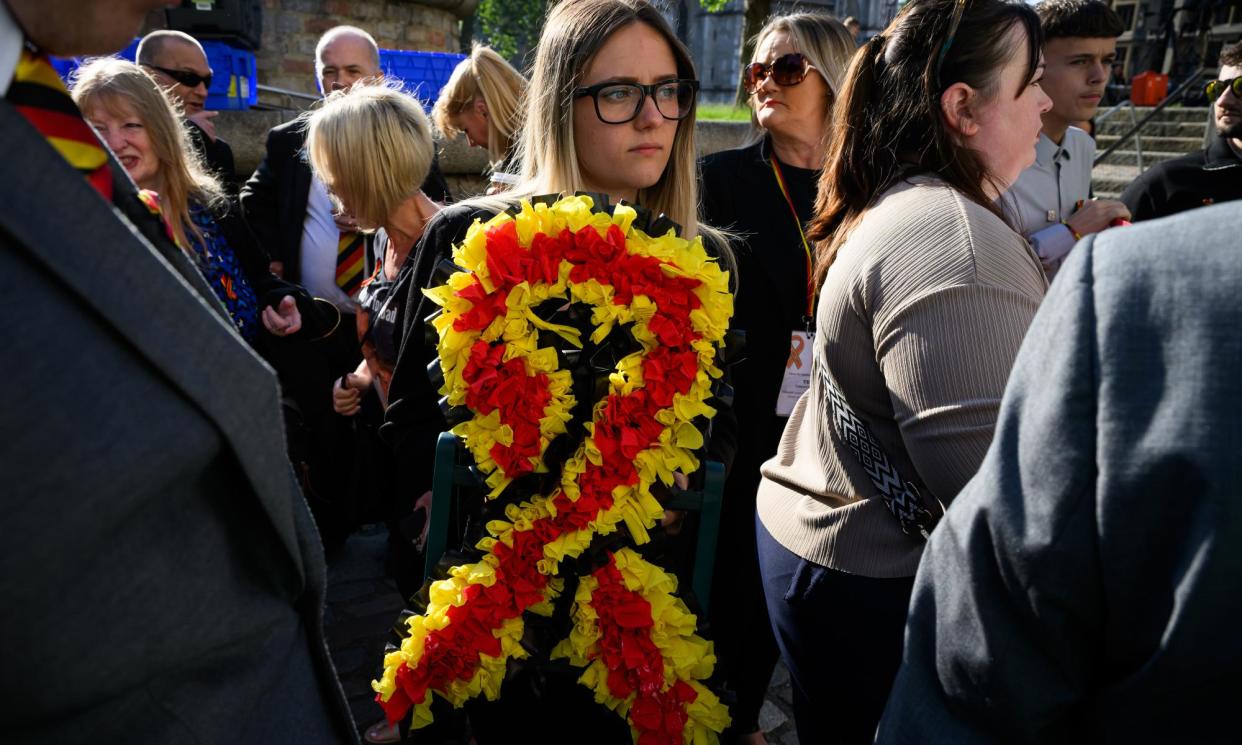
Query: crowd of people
(979, 443)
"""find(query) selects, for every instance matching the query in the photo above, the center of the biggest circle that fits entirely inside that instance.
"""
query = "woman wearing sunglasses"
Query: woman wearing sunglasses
(925, 293)
(610, 109)
(765, 193)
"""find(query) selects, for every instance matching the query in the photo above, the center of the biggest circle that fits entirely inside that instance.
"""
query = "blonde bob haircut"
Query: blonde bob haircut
(574, 32)
(824, 41)
(484, 75)
(371, 147)
(124, 89)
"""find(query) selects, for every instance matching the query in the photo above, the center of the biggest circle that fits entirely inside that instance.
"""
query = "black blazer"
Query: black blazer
(274, 199)
(147, 495)
(740, 193)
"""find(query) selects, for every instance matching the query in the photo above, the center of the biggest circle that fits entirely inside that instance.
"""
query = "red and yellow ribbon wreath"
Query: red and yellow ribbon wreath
(635, 639)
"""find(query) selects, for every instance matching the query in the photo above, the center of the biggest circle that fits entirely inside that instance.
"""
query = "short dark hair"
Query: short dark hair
(1232, 55)
(1081, 18)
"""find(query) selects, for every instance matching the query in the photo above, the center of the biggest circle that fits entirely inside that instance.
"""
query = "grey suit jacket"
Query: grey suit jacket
(1083, 587)
(161, 579)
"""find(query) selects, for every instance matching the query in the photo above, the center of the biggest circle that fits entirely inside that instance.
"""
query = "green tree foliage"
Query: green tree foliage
(511, 27)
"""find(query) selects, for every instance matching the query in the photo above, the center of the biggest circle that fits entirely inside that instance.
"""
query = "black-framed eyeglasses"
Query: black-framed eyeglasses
(618, 103)
(185, 77)
(786, 70)
(1217, 87)
(958, 8)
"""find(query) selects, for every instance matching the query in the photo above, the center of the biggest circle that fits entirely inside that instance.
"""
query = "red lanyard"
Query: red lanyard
(810, 274)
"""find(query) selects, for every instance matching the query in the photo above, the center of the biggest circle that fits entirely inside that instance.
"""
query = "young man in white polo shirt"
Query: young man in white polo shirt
(1051, 200)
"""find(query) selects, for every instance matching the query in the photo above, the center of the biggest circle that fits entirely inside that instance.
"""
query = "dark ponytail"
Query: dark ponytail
(887, 122)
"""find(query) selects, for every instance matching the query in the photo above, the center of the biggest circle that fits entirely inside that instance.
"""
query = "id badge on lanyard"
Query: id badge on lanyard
(797, 378)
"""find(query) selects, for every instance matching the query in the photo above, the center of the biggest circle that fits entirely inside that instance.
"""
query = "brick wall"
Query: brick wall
(292, 27)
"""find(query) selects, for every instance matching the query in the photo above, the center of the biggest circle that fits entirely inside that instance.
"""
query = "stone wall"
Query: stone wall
(291, 29)
(463, 166)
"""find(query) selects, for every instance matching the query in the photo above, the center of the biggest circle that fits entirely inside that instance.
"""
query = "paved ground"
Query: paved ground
(363, 604)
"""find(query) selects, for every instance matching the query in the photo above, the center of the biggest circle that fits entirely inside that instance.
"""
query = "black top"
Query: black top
(413, 419)
(217, 156)
(274, 199)
(380, 300)
(1197, 179)
(740, 194)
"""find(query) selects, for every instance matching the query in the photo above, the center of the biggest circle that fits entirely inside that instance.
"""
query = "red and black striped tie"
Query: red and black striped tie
(39, 95)
(351, 255)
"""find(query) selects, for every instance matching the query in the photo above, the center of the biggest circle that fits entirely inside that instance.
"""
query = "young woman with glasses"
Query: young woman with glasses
(765, 193)
(610, 110)
(925, 294)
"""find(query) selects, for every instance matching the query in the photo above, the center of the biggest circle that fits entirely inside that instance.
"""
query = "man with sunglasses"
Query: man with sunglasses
(1211, 175)
(178, 63)
(1052, 198)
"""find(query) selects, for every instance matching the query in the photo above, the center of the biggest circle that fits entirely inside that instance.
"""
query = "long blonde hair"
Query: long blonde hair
(484, 74)
(117, 85)
(371, 146)
(574, 32)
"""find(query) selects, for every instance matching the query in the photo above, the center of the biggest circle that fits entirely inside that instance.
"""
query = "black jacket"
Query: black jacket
(740, 194)
(274, 199)
(1209, 176)
(217, 156)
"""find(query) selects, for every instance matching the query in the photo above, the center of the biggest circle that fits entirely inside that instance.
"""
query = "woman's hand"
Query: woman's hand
(347, 398)
(283, 319)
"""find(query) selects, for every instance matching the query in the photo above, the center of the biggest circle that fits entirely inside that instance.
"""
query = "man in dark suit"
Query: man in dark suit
(290, 212)
(160, 574)
(178, 63)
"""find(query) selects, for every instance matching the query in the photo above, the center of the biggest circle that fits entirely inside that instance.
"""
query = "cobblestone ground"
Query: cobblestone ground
(363, 604)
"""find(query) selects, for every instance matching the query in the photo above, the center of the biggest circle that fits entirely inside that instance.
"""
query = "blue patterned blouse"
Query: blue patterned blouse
(219, 266)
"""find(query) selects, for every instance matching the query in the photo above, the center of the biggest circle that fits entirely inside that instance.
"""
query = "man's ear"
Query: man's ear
(955, 105)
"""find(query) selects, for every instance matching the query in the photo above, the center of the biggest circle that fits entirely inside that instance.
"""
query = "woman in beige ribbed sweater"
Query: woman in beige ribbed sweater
(924, 298)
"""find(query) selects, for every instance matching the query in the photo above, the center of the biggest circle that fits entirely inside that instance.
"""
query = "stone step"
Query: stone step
(1119, 125)
(1130, 157)
(1108, 181)
(1169, 114)
(1153, 144)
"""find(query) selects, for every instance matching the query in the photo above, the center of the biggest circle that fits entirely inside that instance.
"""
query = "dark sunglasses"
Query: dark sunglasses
(786, 70)
(1217, 87)
(185, 77)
